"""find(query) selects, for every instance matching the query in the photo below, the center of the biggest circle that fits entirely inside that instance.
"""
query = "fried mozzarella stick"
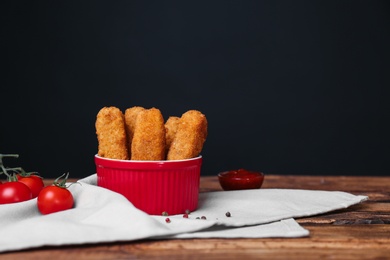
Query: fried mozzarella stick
(190, 136)
(170, 130)
(148, 141)
(130, 119)
(111, 134)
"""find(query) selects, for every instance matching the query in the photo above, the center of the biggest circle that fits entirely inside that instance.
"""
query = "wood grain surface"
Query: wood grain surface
(359, 232)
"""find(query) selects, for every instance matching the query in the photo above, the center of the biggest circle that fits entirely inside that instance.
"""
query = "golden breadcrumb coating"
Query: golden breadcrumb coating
(190, 136)
(130, 119)
(148, 141)
(111, 134)
(170, 130)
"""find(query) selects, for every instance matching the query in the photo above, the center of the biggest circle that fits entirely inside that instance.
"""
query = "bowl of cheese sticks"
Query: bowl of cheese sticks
(155, 164)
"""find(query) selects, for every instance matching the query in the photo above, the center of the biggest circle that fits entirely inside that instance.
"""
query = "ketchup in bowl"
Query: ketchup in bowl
(240, 179)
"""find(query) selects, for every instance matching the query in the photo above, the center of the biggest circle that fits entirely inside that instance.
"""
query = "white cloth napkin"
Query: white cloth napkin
(101, 215)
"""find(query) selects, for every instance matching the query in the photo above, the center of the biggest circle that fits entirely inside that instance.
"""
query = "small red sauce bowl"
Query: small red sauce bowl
(153, 186)
(240, 179)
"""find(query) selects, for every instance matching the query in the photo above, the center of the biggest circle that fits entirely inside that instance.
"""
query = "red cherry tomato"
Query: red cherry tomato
(34, 182)
(53, 199)
(14, 191)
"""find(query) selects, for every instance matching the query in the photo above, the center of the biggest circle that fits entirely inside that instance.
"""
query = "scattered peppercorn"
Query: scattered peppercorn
(185, 216)
(203, 217)
(197, 217)
(187, 211)
(167, 220)
(165, 213)
(228, 214)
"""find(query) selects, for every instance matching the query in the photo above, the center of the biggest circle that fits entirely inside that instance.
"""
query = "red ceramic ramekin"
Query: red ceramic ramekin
(153, 186)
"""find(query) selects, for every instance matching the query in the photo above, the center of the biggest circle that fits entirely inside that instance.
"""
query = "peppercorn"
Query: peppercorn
(228, 214)
(167, 220)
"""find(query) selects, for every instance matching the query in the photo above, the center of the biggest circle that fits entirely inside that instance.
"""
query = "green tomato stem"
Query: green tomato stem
(7, 155)
(63, 182)
(4, 170)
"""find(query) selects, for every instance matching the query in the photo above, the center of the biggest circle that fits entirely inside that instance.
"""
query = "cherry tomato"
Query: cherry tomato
(14, 191)
(34, 182)
(54, 198)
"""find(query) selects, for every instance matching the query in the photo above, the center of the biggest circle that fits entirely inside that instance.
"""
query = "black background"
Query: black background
(288, 87)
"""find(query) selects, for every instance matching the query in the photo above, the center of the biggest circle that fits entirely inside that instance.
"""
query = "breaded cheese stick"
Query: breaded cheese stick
(170, 130)
(111, 134)
(130, 119)
(190, 136)
(148, 141)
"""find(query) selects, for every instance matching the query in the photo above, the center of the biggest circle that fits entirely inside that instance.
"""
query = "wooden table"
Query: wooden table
(359, 232)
